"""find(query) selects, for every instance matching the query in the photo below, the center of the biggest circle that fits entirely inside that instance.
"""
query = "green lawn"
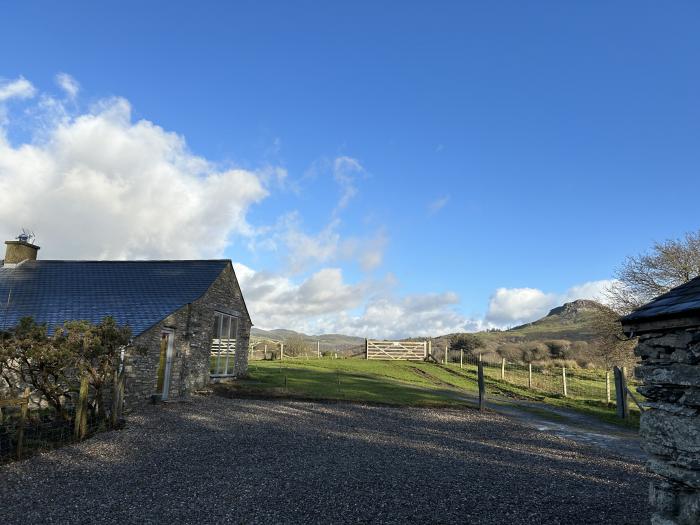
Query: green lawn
(416, 384)
(393, 383)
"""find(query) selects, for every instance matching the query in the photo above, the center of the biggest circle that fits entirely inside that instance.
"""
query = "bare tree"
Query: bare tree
(611, 346)
(295, 346)
(640, 279)
(646, 276)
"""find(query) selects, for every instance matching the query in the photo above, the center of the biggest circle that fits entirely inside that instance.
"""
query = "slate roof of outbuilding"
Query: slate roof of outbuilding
(680, 301)
(136, 293)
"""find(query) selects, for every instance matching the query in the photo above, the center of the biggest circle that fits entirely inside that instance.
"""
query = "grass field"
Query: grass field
(413, 384)
(392, 383)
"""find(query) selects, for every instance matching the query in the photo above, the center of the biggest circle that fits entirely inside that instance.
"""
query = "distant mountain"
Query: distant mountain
(329, 342)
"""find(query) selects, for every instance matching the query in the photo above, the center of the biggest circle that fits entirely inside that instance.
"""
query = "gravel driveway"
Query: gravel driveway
(215, 460)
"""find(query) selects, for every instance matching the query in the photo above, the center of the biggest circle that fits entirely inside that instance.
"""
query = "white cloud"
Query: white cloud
(390, 317)
(302, 250)
(345, 172)
(512, 306)
(19, 88)
(594, 290)
(438, 204)
(99, 185)
(276, 301)
(325, 303)
(68, 84)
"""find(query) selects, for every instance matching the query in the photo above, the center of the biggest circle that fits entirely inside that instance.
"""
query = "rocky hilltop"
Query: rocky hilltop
(572, 310)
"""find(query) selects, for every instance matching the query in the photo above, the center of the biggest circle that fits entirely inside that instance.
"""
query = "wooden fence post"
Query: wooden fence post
(118, 398)
(503, 368)
(482, 387)
(620, 393)
(563, 379)
(529, 375)
(607, 386)
(24, 408)
(80, 429)
(461, 358)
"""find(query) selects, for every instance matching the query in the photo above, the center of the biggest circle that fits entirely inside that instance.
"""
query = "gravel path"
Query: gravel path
(215, 460)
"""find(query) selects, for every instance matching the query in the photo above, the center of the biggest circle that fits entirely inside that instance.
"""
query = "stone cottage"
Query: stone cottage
(668, 329)
(189, 316)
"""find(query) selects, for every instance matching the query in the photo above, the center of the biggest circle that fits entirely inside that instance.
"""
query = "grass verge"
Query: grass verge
(403, 383)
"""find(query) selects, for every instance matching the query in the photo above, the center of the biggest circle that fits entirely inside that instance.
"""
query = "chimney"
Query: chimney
(20, 250)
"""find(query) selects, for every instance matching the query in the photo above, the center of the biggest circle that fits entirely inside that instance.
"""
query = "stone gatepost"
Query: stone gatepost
(668, 329)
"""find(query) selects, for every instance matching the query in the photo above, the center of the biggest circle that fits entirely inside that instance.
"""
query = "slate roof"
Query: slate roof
(682, 300)
(136, 293)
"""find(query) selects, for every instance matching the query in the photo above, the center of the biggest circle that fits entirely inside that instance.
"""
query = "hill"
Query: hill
(573, 321)
(329, 342)
(567, 332)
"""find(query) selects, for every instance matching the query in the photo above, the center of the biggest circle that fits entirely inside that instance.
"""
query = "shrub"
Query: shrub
(566, 363)
(512, 352)
(467, 342)
(53, 365)
(535, 351)
(559, 348)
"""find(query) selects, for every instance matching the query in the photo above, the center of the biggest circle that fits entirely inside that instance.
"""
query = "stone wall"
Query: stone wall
(670, 369)
(192, 326)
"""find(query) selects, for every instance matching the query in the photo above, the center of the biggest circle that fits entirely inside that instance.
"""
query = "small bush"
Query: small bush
(566, 363)
(511, 352)
(559, 348)
(535, 351)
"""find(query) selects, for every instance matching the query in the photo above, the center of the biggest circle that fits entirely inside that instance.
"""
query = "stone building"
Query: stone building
(668, 329)
(188, 319)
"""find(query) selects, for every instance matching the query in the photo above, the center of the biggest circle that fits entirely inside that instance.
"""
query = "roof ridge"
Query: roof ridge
(129, 260)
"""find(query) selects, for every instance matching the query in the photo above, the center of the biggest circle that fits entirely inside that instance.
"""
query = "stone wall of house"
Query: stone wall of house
(192, 326)
(670, 369)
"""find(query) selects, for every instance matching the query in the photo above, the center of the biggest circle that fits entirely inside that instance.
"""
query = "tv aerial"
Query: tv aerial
(27, 236)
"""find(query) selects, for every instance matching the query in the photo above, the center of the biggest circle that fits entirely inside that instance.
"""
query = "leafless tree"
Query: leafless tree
(640, 279)
(295, 346)
(610, 346)
(648, 275)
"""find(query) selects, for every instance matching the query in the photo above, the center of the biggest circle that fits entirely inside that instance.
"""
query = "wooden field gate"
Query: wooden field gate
(397, 350)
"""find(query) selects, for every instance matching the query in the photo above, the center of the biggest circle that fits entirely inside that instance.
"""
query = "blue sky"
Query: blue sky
(394, 168)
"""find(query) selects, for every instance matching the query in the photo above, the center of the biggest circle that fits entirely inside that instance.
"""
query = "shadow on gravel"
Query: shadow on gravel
(220, 460)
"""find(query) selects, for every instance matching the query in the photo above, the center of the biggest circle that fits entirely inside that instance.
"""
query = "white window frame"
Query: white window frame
(231, 347)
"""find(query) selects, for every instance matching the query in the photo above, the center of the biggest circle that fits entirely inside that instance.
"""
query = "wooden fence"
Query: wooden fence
(396, 350)
(41, 428)
(23, 404)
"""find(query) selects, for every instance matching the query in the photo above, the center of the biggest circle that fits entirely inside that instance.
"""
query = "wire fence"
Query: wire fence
(266, 350)
(595, 385)
(42, 429)
(556, 379)
(28, 425)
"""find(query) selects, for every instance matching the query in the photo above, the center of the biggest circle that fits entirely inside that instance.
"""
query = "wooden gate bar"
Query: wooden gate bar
(396, 350)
